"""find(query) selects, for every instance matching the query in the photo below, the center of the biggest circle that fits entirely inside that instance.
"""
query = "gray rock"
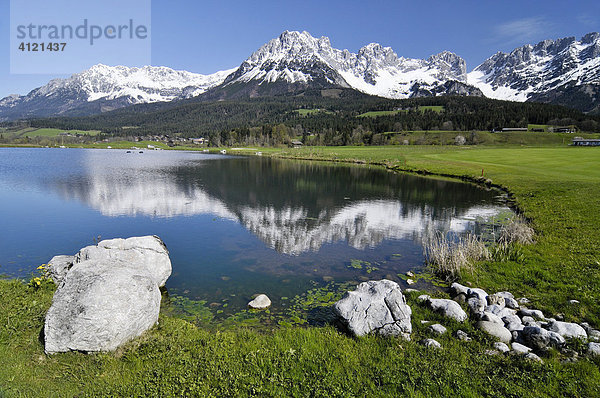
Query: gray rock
(423, 297)
(457, 288)
(512, 323)
(506, 295)
(410, 281)
(496, 299)
(594, 335)
(460, 298)
(375, 307)
(511, 303)
(476, 306)
(593, 349)
(462, 335)
(409, 290)
(479, 293)
(528, 320)
(520, 348)
(431, 343)
(502, 347)
(568, 330)
(490, 317)
(506, 312)
(530, 356)
(491, 352)
(260, 302)
(573, 301)
(532, 313)
(448, 308)
(523, 300)
(58, 267)
(495, 330)
(147, 252)
(438, 329)
(99, 306)
(540, 339)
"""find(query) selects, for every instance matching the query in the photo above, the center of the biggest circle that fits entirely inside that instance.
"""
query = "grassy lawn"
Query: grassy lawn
(556, 187)
(305, 112)
(47, 132)
(379, 113)
(423, 108)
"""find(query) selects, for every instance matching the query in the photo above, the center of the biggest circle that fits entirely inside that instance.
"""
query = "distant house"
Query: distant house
(563, 129)
(578, 141)
(514, 129)
(198, 141)
(296, 144)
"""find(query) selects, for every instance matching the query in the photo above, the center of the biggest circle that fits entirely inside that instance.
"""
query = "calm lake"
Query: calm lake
(234, 226)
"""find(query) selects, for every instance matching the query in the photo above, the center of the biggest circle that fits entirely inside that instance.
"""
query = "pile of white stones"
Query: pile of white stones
(519, 329)
(379, 307)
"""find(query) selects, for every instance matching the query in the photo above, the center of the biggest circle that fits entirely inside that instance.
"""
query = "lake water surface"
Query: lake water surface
(234, 226)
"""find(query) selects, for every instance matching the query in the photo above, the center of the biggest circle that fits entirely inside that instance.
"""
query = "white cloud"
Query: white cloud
(522, 31)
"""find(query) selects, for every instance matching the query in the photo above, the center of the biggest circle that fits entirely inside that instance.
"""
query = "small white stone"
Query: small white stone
(438, 329)
(410, 281)
(503, 348)
(261, 302)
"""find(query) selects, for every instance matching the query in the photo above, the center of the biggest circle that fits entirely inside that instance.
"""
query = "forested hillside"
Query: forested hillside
(328, 117)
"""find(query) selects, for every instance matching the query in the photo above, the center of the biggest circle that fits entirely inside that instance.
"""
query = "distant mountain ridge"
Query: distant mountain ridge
(563, 71)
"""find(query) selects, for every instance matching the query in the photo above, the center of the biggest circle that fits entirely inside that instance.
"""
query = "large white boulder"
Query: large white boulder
(147, 252)
(99, 306)
(375, 307)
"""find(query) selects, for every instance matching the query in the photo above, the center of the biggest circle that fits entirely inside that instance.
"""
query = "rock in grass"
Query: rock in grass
(462, 335)
(520, 348)
(496, 330)
(431, 343)
(58, 267)
(99, 306)
(540, 339)
(108, 294)
(593, 349)
(457, 288)
(448, 308)
(476, 306)
(568, 330)
(501, 347)
(479, 293)
(438, 329)
(496, 299)
(375, 307)
(532, 313)
(530, 356)
(260, 302)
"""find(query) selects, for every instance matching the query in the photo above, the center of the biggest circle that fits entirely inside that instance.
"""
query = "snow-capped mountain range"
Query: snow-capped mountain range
(550, 71)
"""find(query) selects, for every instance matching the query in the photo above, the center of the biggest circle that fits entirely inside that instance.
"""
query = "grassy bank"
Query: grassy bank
(178, 359)
(557, 188)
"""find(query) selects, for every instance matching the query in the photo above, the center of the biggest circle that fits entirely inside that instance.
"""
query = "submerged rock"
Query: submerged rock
(260, 302)
(375, 307)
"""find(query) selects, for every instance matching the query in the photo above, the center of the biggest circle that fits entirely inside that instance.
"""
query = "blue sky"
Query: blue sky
(206, 36)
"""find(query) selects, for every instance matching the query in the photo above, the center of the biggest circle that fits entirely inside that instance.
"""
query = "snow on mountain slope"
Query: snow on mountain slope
(115, 86)
(298, 57)
(547, 66)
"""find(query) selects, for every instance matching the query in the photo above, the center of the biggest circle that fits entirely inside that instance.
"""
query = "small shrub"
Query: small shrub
(516, 231)
(449, 258)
